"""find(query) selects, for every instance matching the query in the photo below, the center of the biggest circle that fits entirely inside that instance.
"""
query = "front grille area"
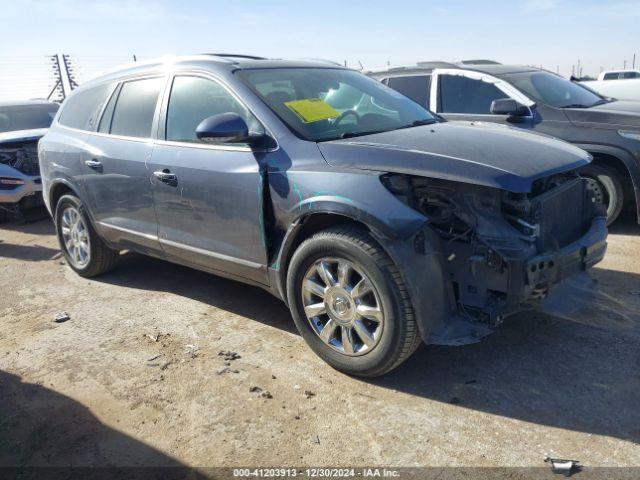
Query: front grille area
(564, 213)
(22, 156)
(558, 211)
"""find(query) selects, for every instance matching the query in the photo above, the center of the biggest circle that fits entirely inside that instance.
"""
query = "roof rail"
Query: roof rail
(480, 61)
(436, 64)
(233, 55)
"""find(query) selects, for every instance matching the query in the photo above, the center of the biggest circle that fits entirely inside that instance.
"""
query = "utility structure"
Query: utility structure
(64, 75)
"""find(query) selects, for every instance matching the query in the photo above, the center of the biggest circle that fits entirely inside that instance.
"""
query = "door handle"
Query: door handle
(94, 164)
(166, 176)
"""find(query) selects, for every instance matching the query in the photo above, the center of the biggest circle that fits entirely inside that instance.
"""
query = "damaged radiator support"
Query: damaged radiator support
(501, 249)
(23, 156)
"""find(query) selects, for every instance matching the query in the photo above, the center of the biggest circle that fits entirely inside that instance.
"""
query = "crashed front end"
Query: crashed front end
(20, 183)
(502, 252)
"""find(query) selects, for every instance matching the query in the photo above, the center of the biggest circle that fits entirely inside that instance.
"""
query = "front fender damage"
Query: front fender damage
(486, 254)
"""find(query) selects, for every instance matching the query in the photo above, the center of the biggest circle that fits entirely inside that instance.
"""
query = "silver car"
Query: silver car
(22, 124)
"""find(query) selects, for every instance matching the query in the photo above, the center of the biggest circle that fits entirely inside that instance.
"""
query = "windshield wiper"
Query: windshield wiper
(360, 134)
(576, 105)
(424, 121)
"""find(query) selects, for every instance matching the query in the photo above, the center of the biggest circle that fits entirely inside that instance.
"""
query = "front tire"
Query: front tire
(603, 182)
(84, 250)
(350, 304)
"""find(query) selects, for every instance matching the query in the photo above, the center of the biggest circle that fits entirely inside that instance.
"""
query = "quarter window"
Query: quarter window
(192, 100)
(81, 109)
(460, 94)
(135, 108)
(416, 87)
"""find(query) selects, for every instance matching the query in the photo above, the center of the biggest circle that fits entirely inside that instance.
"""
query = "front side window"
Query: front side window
(611, 76)
(192, 100)
(416, 87)
(458, 94)
(26, 117)
(630, 75)
(553, 90)
(135, 108)
(81, 109)
(320, 104)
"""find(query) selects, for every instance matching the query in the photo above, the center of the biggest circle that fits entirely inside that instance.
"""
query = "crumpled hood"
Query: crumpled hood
(611, 115)
(470, 152)
(22, 135)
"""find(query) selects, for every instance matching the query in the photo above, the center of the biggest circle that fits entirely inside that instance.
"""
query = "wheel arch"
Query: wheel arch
(624, 164)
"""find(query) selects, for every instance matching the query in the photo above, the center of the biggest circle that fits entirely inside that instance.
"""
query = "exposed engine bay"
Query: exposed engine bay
(501, 251)
(23, 156)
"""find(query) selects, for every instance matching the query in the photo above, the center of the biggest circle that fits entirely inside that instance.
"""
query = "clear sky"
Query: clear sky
(551, 33)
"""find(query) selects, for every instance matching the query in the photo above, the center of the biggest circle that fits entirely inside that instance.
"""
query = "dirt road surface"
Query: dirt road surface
(135, 377)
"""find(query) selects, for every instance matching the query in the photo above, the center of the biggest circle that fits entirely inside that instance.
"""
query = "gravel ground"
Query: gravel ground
(136, 376)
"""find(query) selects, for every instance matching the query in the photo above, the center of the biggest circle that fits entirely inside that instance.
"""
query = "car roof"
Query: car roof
(428, 67)
(27, 103)
(229, 62)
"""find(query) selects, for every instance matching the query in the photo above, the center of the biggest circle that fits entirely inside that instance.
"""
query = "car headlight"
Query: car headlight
(629, 134)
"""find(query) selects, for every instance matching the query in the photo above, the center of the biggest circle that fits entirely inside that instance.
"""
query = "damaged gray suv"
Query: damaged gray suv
(376, 221)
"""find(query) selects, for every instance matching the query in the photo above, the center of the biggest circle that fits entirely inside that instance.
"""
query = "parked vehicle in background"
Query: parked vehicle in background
(378, 223)
(618, 74)
(622, 85)
(537, 101)
(22, 124)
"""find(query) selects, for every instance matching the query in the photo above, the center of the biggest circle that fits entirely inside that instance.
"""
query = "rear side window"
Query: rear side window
(460, 94)
(415, 87)
(192, 100)
(630, 75)
(135, 107)
(611, 76)
(81, 110)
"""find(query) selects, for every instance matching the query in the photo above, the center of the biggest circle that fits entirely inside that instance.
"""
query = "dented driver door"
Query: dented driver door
(208, 198)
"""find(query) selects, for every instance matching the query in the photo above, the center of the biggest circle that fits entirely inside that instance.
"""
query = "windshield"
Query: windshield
(553, 90)
(26, 117)
(325, 104)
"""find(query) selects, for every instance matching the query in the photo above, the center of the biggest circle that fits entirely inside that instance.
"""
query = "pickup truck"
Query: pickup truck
(620, 84)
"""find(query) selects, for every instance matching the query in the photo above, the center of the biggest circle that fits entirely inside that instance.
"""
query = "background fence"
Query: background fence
(52, 76)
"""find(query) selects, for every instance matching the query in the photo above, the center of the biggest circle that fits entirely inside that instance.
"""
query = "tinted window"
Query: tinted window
(414, 87)
(26, 117)
(610, 76)
(81, 109)
(135, 107)
(465, 95)
(630, 75)
(553, 90)
(192, 100)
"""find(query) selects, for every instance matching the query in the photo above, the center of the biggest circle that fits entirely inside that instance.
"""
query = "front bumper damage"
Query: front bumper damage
(20, 182)
(498, 261)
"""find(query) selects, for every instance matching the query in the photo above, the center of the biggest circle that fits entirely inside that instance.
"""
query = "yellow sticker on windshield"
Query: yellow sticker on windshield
(312, 110)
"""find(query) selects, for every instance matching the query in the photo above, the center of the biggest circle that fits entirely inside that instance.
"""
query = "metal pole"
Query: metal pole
(64, 94)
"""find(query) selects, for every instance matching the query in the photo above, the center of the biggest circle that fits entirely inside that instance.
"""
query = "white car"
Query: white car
(620, 84)
(618, 74)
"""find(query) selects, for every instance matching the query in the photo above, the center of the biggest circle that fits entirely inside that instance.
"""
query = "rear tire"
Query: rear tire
(340, 280)
(606, 187)
(84, 250)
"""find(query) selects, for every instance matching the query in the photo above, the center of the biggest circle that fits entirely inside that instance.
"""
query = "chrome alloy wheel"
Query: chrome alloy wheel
(342, 306)
(76, 237)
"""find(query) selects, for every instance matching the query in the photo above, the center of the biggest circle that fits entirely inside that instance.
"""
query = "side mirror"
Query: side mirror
(508, 106)
(226, 127)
